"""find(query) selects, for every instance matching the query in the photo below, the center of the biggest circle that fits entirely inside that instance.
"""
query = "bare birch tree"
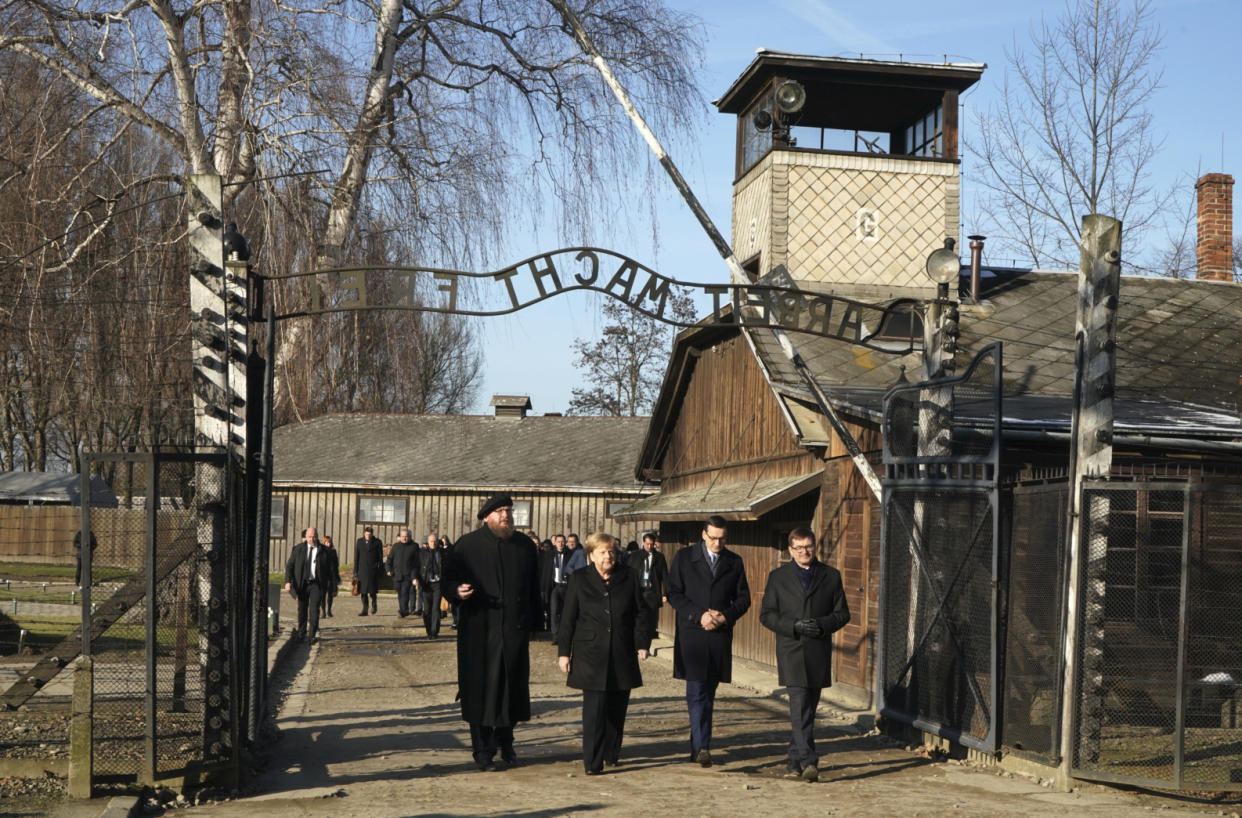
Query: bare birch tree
(1072, 134)
(445, 119)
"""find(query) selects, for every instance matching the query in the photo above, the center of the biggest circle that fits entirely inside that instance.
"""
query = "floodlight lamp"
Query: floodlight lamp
(790, 97)
(762, 120)
(234, 243)
(943, 265)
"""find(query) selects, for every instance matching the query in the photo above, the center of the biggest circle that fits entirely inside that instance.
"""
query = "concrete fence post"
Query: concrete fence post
(81, 762)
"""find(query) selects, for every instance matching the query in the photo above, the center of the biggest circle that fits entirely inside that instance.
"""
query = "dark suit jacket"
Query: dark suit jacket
(547, 569)
(800, 660)
(698, 654)
(402, 562)
(604, 624)
(297, 568)
(658, 575)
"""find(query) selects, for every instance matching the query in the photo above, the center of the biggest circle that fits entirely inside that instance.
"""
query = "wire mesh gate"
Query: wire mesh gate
(1033, 547)
(1159, 687)
(166, 642)
(939, 558)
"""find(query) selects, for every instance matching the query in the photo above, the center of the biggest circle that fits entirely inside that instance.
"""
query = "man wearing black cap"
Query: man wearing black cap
(493, 573)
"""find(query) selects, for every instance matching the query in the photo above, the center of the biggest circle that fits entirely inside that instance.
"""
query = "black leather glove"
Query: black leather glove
(808, 628)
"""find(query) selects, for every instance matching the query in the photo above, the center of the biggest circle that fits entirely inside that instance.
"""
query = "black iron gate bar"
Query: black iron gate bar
(154, 570)
(952, 472)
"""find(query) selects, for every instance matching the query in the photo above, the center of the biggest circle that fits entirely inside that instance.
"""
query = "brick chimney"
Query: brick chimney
(1214, 249)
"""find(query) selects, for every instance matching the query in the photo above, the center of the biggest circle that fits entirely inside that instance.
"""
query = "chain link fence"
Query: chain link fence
(162, 631)
(1161, 636)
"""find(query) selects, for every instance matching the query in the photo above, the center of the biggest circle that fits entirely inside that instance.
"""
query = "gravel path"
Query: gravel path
(369, 727)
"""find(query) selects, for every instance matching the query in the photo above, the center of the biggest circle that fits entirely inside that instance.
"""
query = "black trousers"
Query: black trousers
(603, 722)
(803, 702)
(485, 741)
(370, 596)
(308, 605)
(429, 595)
(556, 601)
(405, 595)
(325, 604)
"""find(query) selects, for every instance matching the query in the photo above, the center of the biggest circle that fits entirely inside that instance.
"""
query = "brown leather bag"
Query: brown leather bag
(353, 587)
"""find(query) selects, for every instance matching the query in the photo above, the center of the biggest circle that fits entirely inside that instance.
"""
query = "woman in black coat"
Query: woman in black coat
(604, 631)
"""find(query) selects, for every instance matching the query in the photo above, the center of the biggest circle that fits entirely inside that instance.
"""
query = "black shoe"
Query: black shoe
(372, 607)
(810, 773)
(314, 640)
(703, 757)
(509, 757)
(594, 772)
(364, 612)
(400, 615)
(484, 763)
(793, 770)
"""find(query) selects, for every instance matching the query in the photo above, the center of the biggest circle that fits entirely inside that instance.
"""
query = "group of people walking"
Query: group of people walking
(603, 607)
(601, 604)
(313, 576)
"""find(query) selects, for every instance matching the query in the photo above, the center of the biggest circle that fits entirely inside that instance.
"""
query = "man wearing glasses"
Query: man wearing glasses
(707, 588)
(804, 605)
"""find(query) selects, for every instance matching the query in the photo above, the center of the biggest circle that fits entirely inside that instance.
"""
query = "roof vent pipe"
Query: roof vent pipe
(976, 266)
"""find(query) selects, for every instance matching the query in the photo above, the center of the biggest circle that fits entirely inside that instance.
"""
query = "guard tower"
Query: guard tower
(847, 170)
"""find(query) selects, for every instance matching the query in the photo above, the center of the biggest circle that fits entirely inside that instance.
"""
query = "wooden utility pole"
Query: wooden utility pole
(1091, 456)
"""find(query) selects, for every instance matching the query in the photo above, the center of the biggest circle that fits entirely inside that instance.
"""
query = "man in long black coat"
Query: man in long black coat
(707, 587)
(306, 577)
(493, 573)
(368, 567)
(804, 605)
(650, 567)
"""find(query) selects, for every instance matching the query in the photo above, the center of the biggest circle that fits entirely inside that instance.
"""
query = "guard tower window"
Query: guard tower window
(754, 142)
(853, 106)
(926, 137)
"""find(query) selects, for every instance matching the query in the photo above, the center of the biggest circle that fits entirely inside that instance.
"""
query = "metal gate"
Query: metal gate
(165, 636)
(938, 631)
(1159, 682)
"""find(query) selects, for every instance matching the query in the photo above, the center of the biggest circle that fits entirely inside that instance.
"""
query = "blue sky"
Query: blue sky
(1197, 113)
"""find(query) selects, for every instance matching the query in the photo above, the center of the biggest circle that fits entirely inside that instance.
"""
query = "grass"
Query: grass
(34, 571)
(45, 632)
(38, 595)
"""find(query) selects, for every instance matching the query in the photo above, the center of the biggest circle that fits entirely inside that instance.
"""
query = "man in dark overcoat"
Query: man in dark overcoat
(649, 565)
(306, 576)
(368, 567)
(402, 565)
(707, 588)
(804, 605)
(554, 580)
(493, 573)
